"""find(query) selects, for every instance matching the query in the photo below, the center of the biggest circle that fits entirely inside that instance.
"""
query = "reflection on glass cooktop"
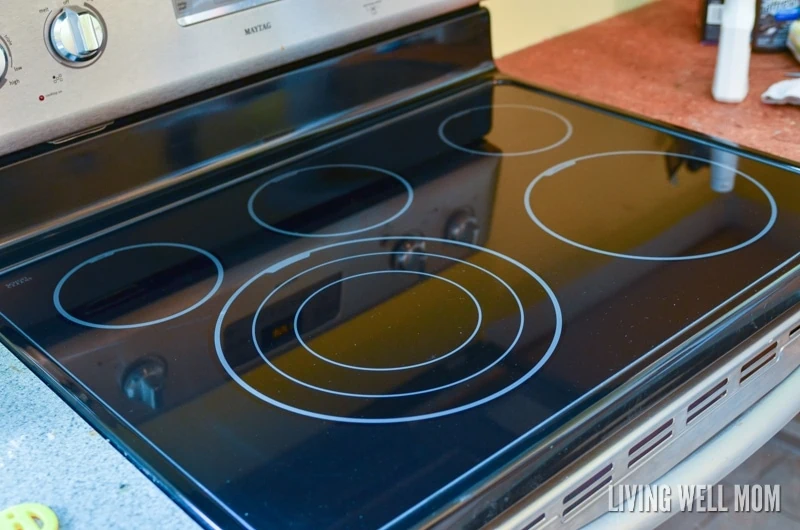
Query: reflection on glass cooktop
(332, 344)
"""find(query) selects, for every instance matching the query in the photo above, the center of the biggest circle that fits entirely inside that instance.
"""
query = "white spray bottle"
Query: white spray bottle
(732, 75)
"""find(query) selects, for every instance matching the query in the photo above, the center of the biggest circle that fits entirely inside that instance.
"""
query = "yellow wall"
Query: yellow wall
(520, 23)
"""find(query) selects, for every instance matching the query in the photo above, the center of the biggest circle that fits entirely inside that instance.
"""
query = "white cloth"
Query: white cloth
(787, 92)
(783, 93)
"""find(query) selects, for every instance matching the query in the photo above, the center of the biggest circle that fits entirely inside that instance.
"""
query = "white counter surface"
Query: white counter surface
(50, 455)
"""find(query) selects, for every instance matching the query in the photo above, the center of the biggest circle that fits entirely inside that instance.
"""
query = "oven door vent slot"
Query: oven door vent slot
(533, 524)
(588, 489)
(760, 361)
(706, 401)
(795, 331)
(650, 443)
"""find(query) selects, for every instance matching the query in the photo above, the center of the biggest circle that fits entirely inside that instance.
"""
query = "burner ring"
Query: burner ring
(569, 163)
(60, 308)
(564, 139)
(393, 369)
(389, 420)
(251, 201)
(404, 394)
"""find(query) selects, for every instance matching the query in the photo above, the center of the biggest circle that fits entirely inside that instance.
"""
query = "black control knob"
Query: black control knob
(409, 256)
(144, 381)
(463, 227)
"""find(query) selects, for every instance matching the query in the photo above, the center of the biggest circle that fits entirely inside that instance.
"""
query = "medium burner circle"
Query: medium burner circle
(132, 289)
(310, 382)
(555, 170)
(254, 197)
(460, 347)
(403, 394)
(493, 110)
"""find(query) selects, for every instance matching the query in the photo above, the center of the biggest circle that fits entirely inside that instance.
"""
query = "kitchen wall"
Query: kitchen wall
(520, 23)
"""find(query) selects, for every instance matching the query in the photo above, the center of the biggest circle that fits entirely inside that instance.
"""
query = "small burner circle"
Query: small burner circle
(567, 134)
(252, 390)
(553, 171)
(251, 207)
(391, 369)
(60, 308)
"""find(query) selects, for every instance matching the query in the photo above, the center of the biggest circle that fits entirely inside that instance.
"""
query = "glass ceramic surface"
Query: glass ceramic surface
(357, 338)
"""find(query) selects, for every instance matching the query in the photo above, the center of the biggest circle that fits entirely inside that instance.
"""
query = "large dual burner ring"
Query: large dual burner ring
(485, 365)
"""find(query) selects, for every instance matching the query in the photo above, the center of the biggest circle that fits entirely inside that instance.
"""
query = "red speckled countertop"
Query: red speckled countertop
(649, 61)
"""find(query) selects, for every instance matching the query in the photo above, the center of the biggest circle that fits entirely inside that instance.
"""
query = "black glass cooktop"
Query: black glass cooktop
(354, 339)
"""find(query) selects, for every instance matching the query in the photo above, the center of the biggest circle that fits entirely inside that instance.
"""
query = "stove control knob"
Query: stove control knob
(409, 256)
(77, 35)
(144, 381)
(463, 227)
(3, 63)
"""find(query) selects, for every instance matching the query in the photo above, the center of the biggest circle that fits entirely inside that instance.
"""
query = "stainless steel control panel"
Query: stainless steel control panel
(69, 66)
(190, 12)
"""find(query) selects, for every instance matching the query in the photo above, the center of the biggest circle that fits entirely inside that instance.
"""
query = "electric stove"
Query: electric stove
(372, 326)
